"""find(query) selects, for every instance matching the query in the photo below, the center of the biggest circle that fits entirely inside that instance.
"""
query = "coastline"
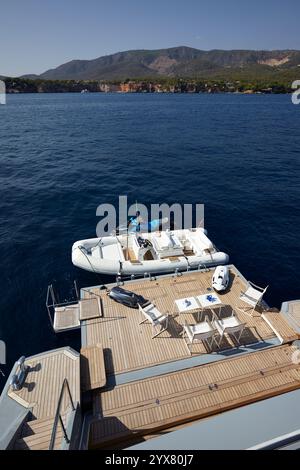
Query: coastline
(172, 86)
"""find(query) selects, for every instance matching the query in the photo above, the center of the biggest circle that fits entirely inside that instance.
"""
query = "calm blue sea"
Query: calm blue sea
(63, 155)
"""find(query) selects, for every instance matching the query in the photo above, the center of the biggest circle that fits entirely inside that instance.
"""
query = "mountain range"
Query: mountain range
(174, 62)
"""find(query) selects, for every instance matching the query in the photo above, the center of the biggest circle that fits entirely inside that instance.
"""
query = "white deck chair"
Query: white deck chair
(252, 296)
(156, 318)
(201, 332)
(230, 325)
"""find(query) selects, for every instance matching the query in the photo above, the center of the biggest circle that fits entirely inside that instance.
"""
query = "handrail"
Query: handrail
(52, 301)
(58, 417)
(121, 280)
(91, 294)
(50, 292)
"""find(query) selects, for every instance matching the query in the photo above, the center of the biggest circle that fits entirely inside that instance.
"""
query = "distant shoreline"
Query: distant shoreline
(175, 86)
(143, 93)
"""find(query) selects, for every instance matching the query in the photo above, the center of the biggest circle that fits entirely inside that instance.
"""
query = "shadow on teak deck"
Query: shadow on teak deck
(129, 346)
(137, 410)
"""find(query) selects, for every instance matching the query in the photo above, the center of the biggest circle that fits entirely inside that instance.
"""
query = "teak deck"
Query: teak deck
(280, 326)
(293, 314)
(90, 309)
(44, 381)
(92, 368)
(66, 318)
(131, 411)
(40, 394)
(129, 346)
(131, 407)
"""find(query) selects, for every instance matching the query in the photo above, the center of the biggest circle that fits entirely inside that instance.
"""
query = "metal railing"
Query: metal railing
(52, 301)
(122, 279)
(58, 417)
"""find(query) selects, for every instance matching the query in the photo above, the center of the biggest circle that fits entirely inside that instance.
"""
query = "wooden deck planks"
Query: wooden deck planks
(92, 368)
(144, 407)
(44, 380)
(129, 346)
(280, 326)
(66, 318)
(90, 308)
(294, 312)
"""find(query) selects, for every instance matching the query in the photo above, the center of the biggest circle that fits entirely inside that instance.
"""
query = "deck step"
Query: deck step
(36, 435)
(282, 329)
(291, 312)
(92, 370)
(34, 426)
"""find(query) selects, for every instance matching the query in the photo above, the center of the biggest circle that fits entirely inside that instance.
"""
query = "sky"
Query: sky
(37, 35)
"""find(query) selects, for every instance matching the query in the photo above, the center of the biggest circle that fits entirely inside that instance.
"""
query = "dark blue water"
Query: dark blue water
(63, 155)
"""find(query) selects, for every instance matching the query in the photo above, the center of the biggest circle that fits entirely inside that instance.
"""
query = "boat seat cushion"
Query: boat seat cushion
(232, 323)
(113, 252)
(200, 329)
(153, 314)
(252, 294)
(199, 241)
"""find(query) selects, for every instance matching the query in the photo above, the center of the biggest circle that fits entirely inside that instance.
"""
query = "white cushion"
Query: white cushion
(162, 241)
(203, 327)
(199, 241)
(248, 300)
(229, 322)
(112, 252)
(153, 314)
(167, 244)
(198, 329)
(253, 293)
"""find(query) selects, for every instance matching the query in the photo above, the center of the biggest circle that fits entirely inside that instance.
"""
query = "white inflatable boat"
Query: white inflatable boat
(151, 253)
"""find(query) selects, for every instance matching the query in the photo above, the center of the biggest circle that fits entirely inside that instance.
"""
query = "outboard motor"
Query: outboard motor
(18, 379)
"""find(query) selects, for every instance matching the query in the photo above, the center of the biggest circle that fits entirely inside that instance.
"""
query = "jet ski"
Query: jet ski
(220, 279)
